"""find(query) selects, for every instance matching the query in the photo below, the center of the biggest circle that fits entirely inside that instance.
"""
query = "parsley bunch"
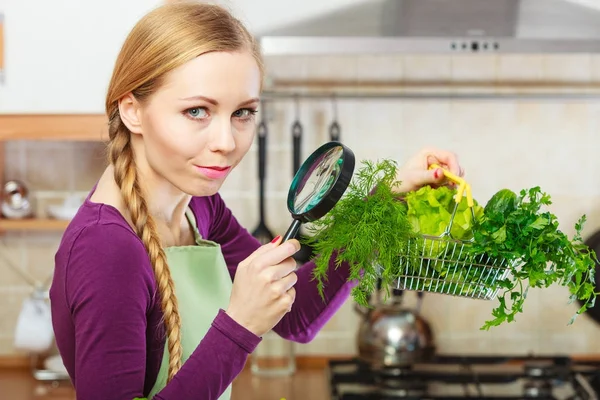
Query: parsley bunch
(517, 228)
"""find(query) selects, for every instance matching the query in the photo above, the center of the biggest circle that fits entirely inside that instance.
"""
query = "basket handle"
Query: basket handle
(463, 186)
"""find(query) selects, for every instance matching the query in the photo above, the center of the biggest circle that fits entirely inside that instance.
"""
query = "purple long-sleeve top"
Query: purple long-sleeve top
(107, 317)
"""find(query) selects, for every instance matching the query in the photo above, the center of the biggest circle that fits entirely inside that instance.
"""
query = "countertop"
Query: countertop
(305, 384)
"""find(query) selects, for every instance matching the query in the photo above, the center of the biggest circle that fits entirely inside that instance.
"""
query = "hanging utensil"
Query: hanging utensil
(334, 127)
(262, 232)
(306, 251)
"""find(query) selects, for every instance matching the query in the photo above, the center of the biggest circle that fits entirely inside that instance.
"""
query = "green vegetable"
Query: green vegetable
(368, 228)
(447, 266)
(430, 212)
(516, 228)
(381, 236)
(501, 203)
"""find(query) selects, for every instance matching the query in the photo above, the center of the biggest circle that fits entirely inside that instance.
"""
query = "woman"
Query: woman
(154, 270)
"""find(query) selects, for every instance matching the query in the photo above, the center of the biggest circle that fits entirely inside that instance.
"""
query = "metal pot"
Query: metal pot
(391, 336)
(15, 200)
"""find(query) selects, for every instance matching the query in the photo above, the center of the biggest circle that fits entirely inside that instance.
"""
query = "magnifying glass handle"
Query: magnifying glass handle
(292, 231)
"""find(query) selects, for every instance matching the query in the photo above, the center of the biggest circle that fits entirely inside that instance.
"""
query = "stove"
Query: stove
(476, 377)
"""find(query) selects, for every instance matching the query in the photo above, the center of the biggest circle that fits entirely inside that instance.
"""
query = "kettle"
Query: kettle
(392, 336)
(15, 200)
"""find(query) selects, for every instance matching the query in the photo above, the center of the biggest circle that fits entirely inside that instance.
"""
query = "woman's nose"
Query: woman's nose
(222, 137)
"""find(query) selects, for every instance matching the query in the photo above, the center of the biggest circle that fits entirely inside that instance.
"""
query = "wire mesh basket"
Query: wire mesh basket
(443, 264)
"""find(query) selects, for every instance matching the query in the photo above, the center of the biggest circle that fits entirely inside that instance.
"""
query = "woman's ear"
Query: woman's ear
(129, 110)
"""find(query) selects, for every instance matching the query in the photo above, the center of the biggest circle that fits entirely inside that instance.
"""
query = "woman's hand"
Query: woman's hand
(263, 287)
(416, 173)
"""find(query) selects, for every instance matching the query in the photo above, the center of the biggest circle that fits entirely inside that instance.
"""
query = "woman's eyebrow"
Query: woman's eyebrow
(216, 103)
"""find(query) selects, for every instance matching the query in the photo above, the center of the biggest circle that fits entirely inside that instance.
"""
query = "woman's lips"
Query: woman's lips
(213, 172)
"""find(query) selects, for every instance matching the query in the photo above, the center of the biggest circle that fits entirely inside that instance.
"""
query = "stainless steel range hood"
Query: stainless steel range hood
(444, 26)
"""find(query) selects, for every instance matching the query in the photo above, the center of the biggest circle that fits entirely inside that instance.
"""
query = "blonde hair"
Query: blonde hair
(164, 39)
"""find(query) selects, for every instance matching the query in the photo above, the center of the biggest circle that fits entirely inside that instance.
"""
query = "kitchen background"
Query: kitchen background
(501, 143)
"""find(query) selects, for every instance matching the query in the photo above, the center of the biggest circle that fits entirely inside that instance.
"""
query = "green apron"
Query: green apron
(202, 285)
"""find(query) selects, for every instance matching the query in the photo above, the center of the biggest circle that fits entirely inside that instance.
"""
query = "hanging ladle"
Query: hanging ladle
(306, 251)
(262, 232)
(334, 128)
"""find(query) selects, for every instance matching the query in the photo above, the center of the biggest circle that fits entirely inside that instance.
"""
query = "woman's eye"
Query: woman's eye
(197, 112)
(244, 113)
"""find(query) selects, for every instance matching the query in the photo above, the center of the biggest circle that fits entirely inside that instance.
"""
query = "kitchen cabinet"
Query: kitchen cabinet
(59, 55)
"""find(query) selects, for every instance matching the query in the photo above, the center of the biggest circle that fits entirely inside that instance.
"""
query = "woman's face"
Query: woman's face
(199, 125)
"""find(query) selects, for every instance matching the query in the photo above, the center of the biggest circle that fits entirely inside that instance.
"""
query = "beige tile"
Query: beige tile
(49, 166)
(376, 67)
(591, 208)
(284, 67)
(576, 67)
(279, 169)
(591, 334)
(555, 312)
(245, 210)
(41, 260)
(329, 345)
(564, 343)
(9, 312)
(467, 316)
(520, 67)
(273, 345)
(243, 177)
(478, 67)
(429, 124)
(519, 344)
(332, 67)
(470, 345)
(57, 198)
(6, 346)
(89, 161)
(14, 160)
(14, 259)
(345, 320)
(568, 209)
(595, 67)
(427, 67)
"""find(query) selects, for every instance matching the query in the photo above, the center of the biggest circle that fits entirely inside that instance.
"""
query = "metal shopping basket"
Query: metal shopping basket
(443, 264)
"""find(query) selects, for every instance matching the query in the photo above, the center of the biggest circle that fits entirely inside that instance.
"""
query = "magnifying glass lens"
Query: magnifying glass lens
(319, 184)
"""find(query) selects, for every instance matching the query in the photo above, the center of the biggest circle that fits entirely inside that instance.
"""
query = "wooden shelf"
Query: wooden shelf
(32, 224)
(80, 127)
(47, 127)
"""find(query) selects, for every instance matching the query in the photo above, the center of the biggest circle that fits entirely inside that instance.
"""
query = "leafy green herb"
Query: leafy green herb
(367, 229)
(516, 228)
(381, 237)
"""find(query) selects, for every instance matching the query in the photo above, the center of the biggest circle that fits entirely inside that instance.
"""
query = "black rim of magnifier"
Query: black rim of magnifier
(334, 194)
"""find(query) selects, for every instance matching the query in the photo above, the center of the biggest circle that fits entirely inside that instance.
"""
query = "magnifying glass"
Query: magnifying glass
(319, 184)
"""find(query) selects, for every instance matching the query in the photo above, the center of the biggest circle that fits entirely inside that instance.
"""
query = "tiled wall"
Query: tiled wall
(552, 144)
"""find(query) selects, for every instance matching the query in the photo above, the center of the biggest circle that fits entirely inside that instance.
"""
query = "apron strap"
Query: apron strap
(192, 221)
